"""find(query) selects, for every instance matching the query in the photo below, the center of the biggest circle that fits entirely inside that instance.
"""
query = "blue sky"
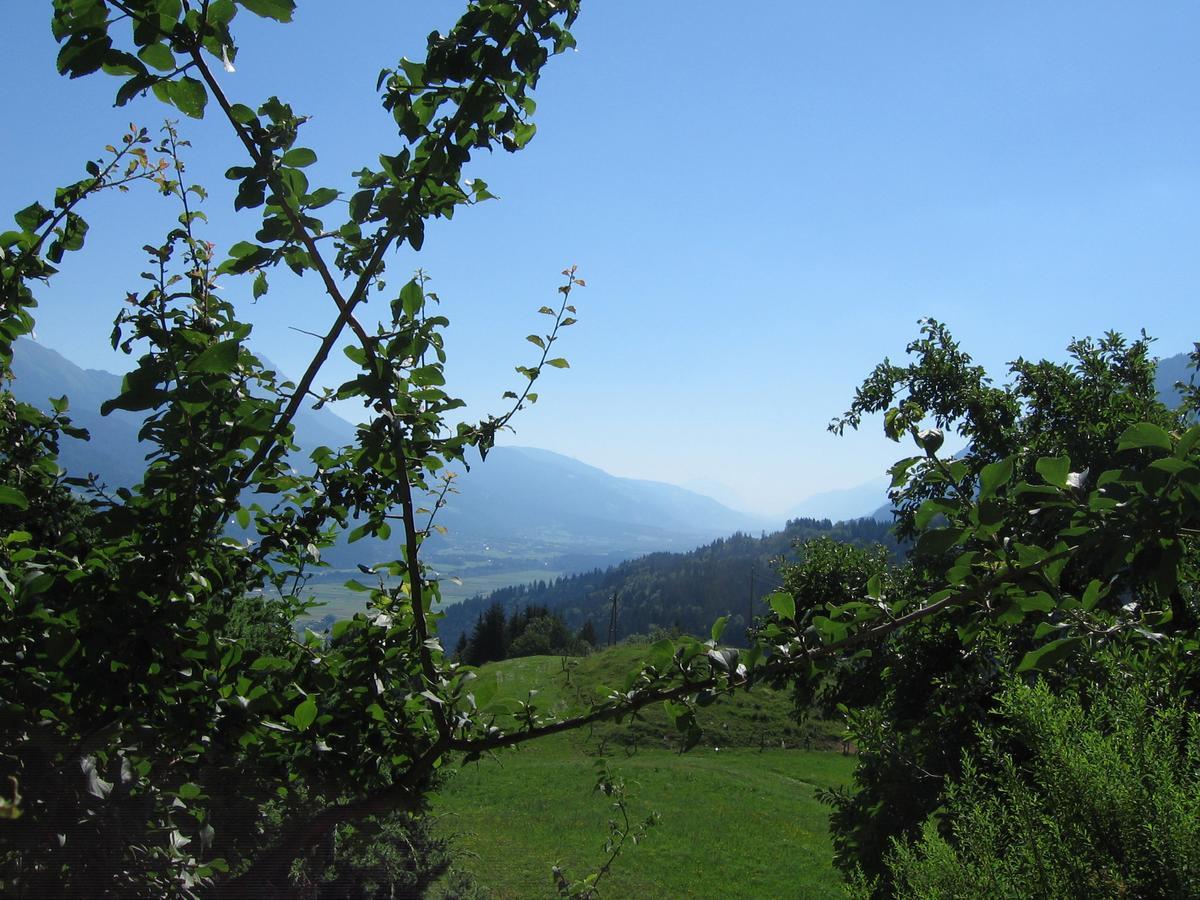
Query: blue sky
(763, 198)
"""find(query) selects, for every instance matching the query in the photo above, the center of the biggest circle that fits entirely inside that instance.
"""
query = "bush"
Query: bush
(1096, 796)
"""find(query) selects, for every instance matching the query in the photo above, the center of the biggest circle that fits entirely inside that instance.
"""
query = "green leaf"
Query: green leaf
(241, 113)
(1144, 434)
(1054, 469)
(299, 157)
(829, 630)
(523, 133)
(139, 390)
(321, 197)
(188, 791)
(360, 205)
(1048, 654)
(412, 298)
(11, 496)
(718, 627)
(783, 604)
(994, 475)
(1170, 465)
(305, 714)
(221, 12)
(676, 713)
(219, 359)
(279, 10)
(899, 471)
(938, 540)
(159, 56)
(875, 586)
(1039, 602)
(242, 249)
(31, 217)
(1189, 439)
(929, 509)
(558, 363)
(189, 96)
(270, 663)
(661, 654)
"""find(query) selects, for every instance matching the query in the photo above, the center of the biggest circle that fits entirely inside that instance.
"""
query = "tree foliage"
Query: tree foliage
(1044, 497)
(531, 631)
(156, 706)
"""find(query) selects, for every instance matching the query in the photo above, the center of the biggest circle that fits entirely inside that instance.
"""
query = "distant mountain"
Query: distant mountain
(40, 373)
(550, 498)
(724, 493)
(1172, 370)
(533, 503)
(845, 503)
(113, 452)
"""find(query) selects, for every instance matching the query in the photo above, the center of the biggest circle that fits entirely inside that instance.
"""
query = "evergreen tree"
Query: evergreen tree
(587, 633)
(489, 640)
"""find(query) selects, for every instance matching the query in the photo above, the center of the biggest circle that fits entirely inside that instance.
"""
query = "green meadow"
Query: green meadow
(751, 780)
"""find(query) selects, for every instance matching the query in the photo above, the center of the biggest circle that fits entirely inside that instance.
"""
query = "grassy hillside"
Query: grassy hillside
(516, 815)
(757, 719)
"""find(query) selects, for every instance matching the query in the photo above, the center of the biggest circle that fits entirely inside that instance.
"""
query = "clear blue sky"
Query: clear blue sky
(764, 197)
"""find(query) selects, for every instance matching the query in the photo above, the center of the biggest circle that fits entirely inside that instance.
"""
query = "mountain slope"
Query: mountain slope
(845, 503)
(688, 591)
(1172, 370)
(523, 501)
(112, 453)
(553, 499)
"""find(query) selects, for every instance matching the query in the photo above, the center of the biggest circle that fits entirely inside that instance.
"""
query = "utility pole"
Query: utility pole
(612, 619)
(750, 606)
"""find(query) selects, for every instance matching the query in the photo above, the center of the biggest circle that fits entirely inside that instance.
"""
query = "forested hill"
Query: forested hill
(687, 591)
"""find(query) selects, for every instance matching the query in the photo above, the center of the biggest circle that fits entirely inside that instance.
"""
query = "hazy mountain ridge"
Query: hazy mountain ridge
(1171, 371)
(544, 503)
(112, 453)
(546, 494)
(843, 503)
(522, 509)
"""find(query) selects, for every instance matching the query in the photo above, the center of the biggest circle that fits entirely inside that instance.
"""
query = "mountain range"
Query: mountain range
(539, 506)
(522, 510)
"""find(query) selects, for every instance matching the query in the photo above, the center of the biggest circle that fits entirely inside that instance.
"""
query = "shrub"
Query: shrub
(1093, 796)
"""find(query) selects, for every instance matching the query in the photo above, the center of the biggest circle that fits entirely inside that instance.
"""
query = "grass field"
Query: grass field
(736, 820)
